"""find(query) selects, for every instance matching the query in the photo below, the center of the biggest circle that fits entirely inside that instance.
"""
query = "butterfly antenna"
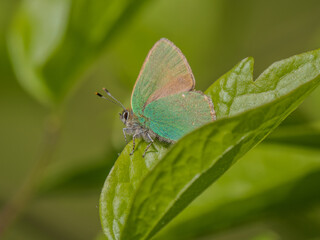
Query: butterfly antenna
(110, 100)
(116, 100)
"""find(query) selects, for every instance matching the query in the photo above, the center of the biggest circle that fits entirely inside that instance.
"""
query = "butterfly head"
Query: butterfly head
(125, 116)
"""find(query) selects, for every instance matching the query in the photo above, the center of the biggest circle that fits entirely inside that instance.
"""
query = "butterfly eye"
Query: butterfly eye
(126, 115)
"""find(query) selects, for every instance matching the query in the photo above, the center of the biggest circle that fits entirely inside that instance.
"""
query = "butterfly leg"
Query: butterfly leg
(124, 134)
(133, 143)
(149, 145)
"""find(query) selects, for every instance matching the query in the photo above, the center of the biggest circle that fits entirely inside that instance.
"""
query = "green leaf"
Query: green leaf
(51, 42)
(140, 196)
(236, 92)
(270, 181)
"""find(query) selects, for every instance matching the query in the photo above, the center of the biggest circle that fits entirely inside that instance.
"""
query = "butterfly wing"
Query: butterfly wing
(173, 116)
(165, 72)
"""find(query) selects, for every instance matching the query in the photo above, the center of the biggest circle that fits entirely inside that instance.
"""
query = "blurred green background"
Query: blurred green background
(54, 54)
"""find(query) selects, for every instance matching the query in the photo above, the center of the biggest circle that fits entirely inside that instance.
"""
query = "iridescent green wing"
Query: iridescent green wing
(164, 72)
(176, 115)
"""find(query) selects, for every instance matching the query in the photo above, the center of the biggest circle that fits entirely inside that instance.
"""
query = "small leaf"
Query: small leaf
(51, 42)
(141, 196)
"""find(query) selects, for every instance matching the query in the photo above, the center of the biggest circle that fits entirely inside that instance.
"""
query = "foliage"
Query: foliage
(140, 196)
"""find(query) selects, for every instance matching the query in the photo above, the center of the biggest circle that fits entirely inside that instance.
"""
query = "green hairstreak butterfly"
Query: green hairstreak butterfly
(164, 103)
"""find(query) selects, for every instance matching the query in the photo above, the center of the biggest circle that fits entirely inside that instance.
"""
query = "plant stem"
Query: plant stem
(15, 207)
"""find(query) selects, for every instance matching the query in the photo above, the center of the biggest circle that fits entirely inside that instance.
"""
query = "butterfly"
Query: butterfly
(164, 103)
